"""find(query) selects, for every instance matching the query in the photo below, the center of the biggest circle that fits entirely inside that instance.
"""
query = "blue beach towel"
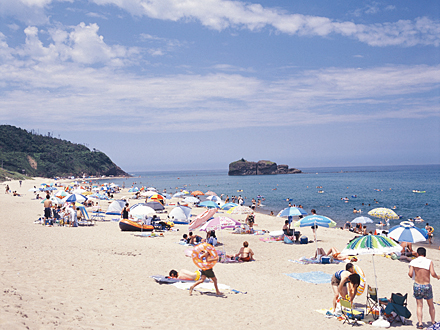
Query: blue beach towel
(312, 277)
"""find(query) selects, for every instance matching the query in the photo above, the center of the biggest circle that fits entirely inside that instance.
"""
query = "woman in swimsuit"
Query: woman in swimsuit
(125, 211)
(245, 253)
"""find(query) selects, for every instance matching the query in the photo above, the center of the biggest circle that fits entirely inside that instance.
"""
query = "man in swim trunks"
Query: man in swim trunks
(207, 273)
(337, 278)
(47, 207)
(420, 270)
(186, 275)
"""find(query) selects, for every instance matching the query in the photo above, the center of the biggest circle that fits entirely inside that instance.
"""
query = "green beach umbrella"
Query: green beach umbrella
(372, 244)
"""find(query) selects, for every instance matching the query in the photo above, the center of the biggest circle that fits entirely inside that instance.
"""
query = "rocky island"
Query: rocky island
(262, 167)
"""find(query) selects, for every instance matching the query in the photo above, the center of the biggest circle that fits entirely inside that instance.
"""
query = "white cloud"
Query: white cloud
(79, 44)
(58, 81)
(223, 14)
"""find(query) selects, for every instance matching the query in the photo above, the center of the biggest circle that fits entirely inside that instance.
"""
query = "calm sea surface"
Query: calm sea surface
(365, 187)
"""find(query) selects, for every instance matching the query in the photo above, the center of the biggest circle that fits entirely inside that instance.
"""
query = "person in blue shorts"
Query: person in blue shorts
(420, 270)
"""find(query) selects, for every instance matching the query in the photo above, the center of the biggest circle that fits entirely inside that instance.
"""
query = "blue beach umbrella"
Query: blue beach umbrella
(209, 204)
(407, 232)
(76, 198)
(228, 206)
(315, 220)
(291, 212)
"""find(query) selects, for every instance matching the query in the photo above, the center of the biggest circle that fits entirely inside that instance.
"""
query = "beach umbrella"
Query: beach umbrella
(240, 210)
(372, 244)
(149, 193)
(79, 191)
(179, 194)
(134, 189)
(192, 200)
(362, 220)
(34, 189)
(291, 212)
(180, 213)
(220, 223)
(228, 206)
(315, 220)
(197, 193)
(210, 193)
(76, 198)
(407, 232)
(214, 198)
(155, 206)
(157, 197)
(151, 189)
(383, 213)
(201, 219)
(61, 194)
(54, 200)
(209, 204)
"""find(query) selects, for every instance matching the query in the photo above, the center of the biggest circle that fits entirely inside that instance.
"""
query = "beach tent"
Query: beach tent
(115, 207)
(180, 213)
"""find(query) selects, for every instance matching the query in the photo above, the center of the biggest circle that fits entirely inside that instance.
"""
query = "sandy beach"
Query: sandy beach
(99, 277)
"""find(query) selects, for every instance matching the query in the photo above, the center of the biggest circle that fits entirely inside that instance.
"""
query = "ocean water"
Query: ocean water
(365, 187)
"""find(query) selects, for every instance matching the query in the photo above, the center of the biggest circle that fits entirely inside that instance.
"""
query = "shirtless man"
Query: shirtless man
(186, 275)
(420, 270)
(47, 207)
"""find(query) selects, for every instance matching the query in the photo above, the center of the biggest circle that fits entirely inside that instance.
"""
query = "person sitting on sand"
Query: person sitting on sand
(347, 226)
(245, 253)
(212, 239)
(192, 239)
(340, 277)
(184, 274)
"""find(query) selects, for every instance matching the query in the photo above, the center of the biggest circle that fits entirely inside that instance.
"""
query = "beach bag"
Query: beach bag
(303, 240)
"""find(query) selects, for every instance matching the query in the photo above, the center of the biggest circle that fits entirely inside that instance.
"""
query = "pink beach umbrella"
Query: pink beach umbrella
(220, 223)
(201, 219)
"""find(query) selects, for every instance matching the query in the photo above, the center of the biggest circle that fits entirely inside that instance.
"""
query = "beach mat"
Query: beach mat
(271, 239)
(308, 261)
(312, 277)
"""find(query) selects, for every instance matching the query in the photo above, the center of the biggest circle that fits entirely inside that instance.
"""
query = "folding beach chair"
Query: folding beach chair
(398, 305)
(372, 302)
(348, 312)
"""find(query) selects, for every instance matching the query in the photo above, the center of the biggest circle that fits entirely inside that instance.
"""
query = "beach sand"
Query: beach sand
(99, 277)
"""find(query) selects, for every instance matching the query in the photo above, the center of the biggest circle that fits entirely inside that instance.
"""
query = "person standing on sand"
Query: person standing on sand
(420, 270)
(47, 207)
(124, 212)
(208, 273)
(7, 189)
(430, 231)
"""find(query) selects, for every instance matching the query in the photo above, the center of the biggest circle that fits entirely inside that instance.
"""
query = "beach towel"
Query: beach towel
(421, 262)
(271, 239)
(312, 277)
(307, 261)
(208, 287)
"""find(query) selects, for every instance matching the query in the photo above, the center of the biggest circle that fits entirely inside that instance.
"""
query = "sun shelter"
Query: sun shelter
(115, 207)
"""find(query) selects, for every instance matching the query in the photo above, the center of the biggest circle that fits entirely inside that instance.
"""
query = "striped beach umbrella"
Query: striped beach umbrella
(371, 244)
(315, 220)
(209, 204)
(291, 212)
(228, 206)
(383, 213)
(407, 232)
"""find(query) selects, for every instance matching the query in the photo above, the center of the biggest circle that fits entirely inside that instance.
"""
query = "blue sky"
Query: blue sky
(197, 84)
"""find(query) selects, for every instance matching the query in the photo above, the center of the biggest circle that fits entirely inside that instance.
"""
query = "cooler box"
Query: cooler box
(303, 240)
(325, 260)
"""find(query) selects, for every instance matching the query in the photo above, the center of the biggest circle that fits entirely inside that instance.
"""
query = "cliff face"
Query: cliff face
(262, 167)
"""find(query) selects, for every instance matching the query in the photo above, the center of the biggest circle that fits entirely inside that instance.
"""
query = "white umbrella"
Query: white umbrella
(362, 220)
(140, 211)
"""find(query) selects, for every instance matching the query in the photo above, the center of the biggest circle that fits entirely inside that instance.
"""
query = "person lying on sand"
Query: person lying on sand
(184, 274)
(333, 253)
